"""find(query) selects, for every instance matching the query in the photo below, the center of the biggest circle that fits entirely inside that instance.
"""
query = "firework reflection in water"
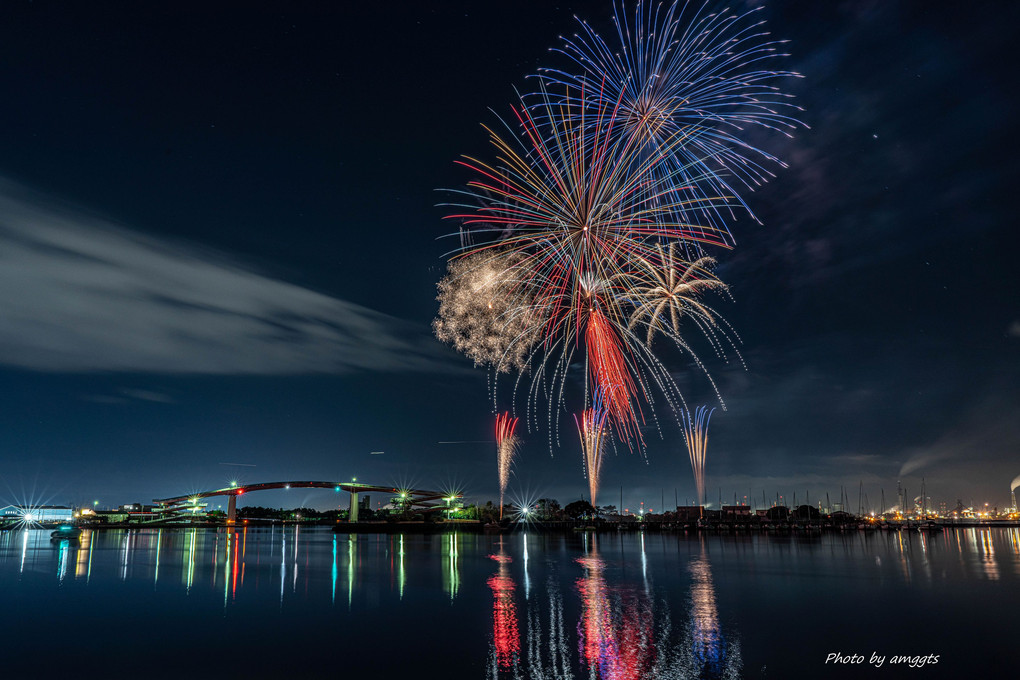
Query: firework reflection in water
(624, 631)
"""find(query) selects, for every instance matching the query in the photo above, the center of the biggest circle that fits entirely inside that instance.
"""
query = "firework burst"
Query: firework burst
(574, 217)
(696, 436)
(485, 313)
(585, 238)
(696, 75)
(506, 449)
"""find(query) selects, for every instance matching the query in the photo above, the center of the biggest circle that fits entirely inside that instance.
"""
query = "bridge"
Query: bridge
(425, 500)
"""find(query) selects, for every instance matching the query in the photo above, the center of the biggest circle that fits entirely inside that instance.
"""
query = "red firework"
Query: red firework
(610, 375)
(506, 449)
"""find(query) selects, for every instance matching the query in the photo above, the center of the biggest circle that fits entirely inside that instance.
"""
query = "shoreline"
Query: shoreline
(477, 527)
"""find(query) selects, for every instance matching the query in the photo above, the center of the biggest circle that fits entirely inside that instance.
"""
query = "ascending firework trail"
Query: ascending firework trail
(506, 448)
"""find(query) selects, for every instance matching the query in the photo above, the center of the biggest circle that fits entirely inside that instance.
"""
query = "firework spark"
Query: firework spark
(506, 449)
(696, 436)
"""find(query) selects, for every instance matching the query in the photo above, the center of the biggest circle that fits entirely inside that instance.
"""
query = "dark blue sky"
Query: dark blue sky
(218, 244)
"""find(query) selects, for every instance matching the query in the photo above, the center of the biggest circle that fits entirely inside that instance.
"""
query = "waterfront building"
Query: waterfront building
(41, 514)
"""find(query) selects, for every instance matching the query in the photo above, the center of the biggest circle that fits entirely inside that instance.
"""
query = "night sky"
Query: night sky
(219, 243)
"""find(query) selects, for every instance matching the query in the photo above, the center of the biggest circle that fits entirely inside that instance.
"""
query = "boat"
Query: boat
(66, 532)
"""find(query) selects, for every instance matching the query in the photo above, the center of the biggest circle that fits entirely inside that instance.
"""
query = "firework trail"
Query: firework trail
(696, 436)
(506, 449)
(591, 428)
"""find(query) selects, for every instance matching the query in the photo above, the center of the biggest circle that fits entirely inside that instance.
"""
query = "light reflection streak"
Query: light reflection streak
(159, 542)
(615, 631)
(400, 567)
(62, 560)
(244, 545)
(505, 634)
(294, 578)
(988, 562)
(527, 580)
(24, 550)
(707, 648)
(350, 569)
(84, 562)
(553, 644)
(451, 572)
(125, 546)
(226, 566)
(904, 557)
(644, 562)
(333, 571)
(191, 557)
(283, 564)
(621, 634)
(233, 586)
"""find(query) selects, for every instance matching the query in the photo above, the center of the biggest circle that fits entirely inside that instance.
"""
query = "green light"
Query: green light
(337, 488)
(233, 483)
(95, 503)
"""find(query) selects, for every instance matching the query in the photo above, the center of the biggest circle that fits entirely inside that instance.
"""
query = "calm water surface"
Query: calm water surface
(304, 602)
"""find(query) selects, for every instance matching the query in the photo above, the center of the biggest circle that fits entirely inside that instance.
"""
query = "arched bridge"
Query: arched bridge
(411, 497)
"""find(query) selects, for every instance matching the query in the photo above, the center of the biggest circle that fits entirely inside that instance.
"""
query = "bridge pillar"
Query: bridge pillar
(352, 515)
(231, 508)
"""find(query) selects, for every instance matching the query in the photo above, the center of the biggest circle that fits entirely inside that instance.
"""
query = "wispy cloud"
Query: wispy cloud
(79, 294)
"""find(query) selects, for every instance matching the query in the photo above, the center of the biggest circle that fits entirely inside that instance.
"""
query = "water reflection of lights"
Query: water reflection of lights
(190, 565)
(333, 572)
(62, 560)
(451, 571)
(527, 580)
(83, 567)
(988, 556)
(401, 576)
(24, 550)
(125, 552)
(159, 543)
(622, 633)
(615, 631)
(283, 564)
(295, 574)
(351, 553)
(505, 635)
